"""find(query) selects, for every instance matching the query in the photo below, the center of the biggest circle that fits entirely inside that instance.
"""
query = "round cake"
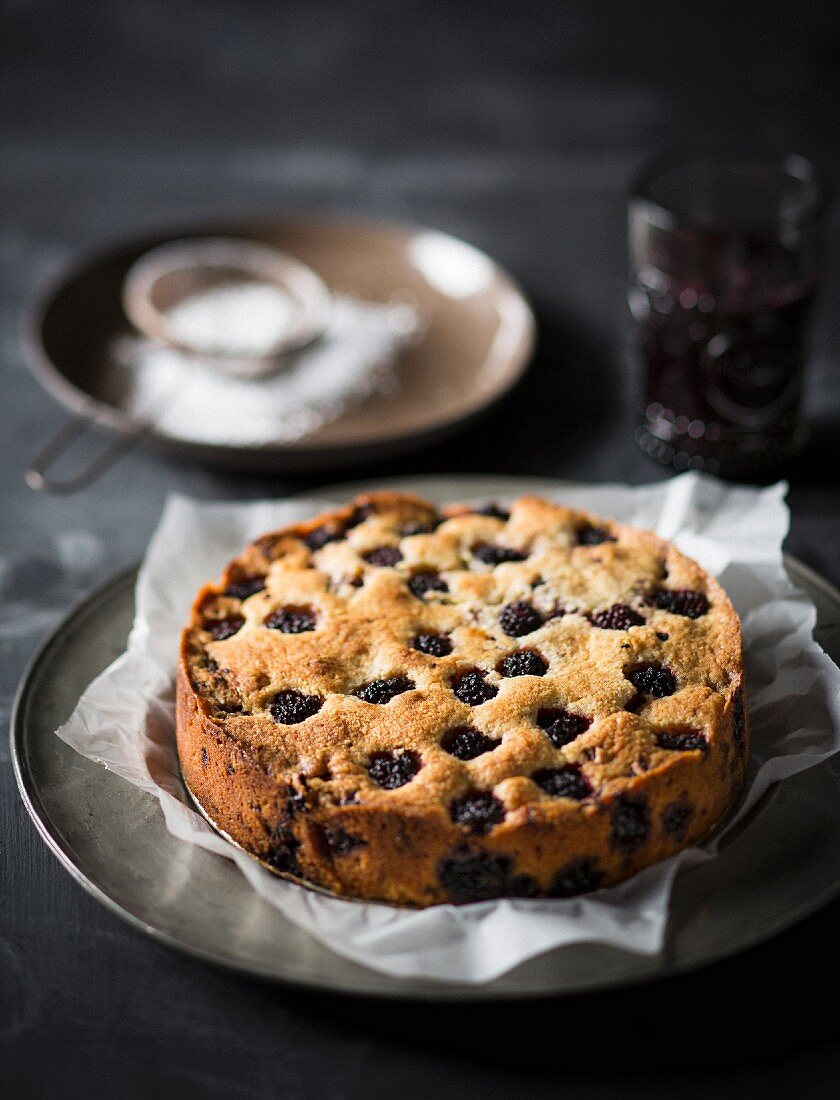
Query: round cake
(417, 706)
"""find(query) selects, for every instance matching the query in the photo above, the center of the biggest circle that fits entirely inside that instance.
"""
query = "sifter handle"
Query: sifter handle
(37, 474)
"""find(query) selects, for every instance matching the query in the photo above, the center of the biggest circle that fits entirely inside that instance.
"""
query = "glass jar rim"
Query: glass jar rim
(808, 205)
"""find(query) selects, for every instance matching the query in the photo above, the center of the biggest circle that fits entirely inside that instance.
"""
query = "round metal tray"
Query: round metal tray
(111, 837)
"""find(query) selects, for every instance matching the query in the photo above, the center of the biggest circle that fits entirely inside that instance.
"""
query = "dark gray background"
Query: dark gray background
(517, 126)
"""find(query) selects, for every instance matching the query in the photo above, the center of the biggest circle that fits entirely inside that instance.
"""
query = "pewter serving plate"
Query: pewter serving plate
(111, 836)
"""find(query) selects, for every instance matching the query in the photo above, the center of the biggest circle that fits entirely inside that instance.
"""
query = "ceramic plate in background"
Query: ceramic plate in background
(478, 333)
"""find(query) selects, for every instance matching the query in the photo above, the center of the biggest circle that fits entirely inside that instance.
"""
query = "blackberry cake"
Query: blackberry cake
(418, 706)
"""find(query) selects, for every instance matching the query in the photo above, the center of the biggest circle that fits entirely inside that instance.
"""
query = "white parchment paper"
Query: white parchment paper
(125, 720)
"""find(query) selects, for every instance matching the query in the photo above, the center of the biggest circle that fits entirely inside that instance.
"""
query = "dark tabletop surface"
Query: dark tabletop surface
(518, 127)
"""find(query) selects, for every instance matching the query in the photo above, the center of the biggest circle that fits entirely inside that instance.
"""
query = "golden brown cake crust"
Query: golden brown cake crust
(397, 703)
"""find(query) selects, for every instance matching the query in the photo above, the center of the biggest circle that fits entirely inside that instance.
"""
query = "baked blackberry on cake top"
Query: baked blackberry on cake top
(421, 706)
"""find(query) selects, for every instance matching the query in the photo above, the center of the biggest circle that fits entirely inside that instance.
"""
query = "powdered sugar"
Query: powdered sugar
(185, 397)
(237, 319)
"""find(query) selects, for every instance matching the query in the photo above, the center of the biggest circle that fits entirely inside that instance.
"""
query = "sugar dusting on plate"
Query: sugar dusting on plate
(237, 319)
(184, 397)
